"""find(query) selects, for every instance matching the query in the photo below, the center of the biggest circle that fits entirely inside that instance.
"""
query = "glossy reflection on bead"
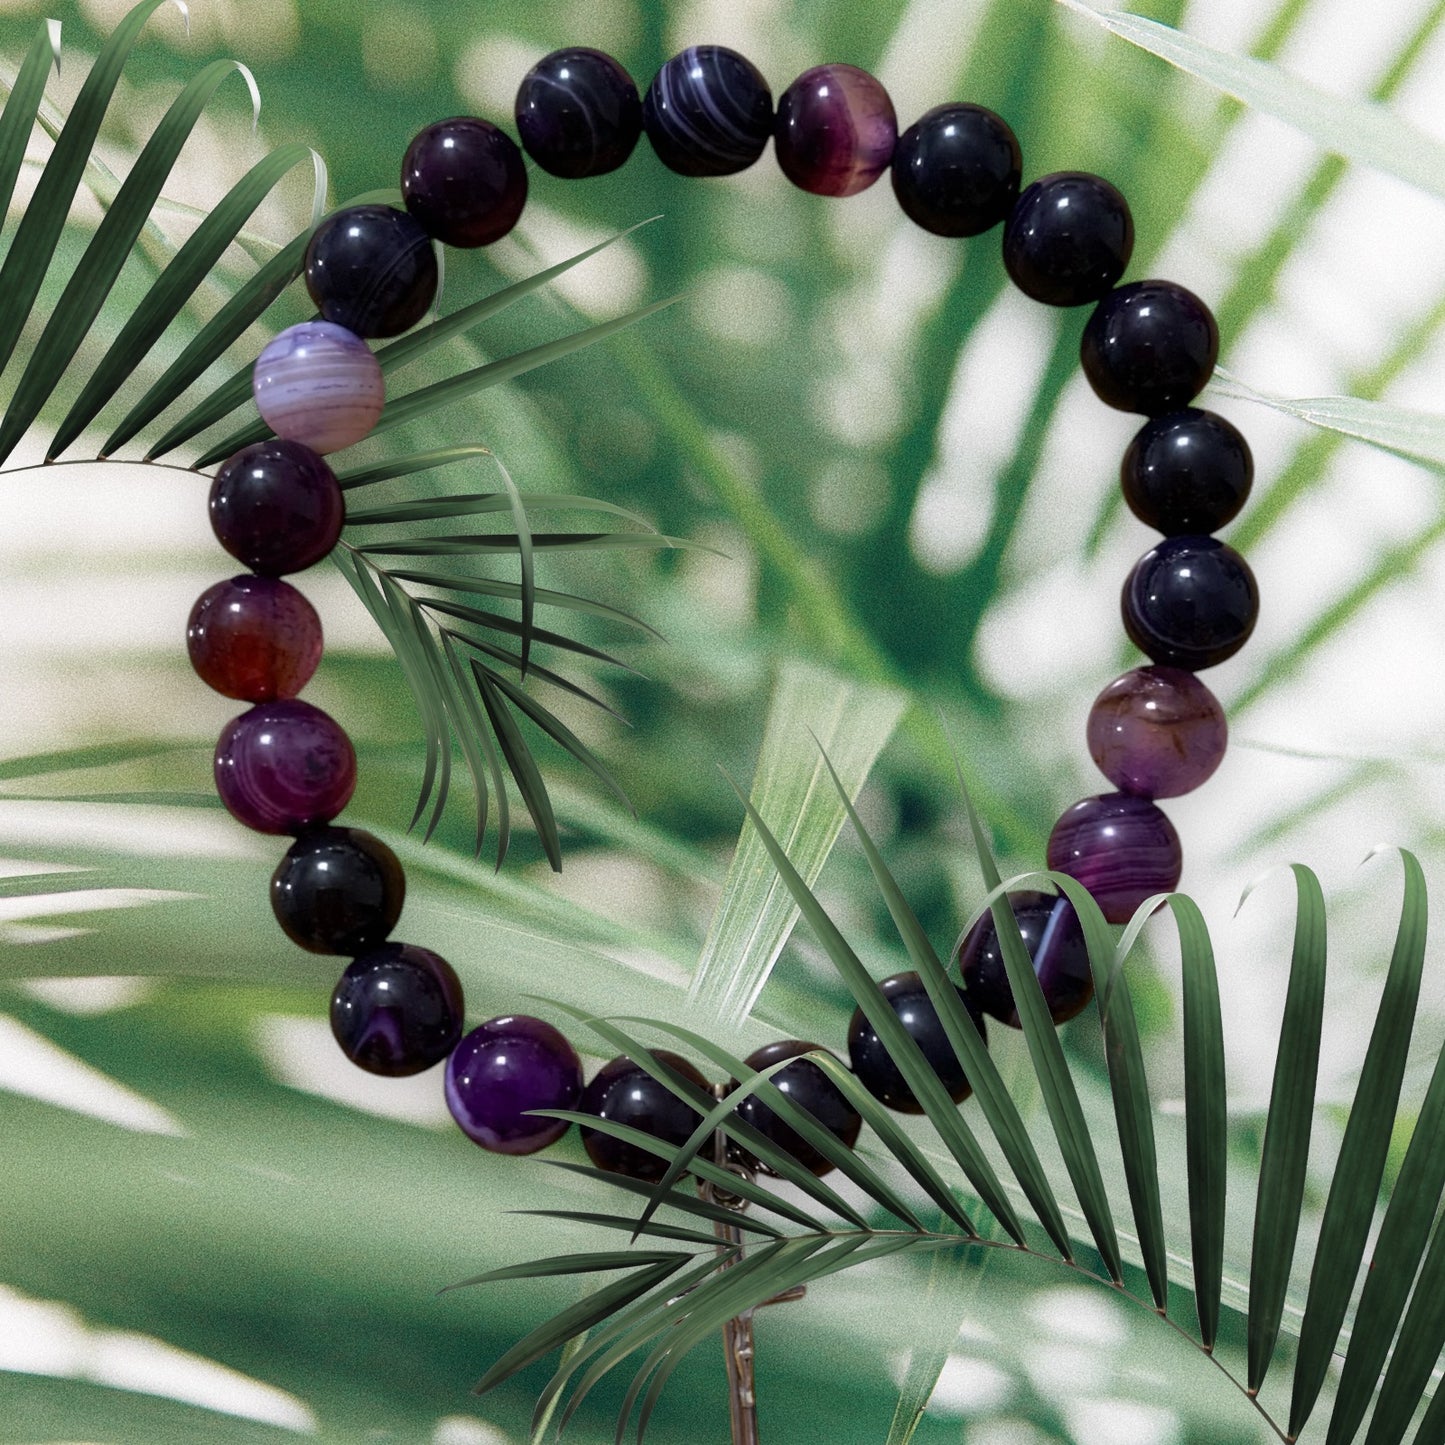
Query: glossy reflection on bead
(284, 766)
(254, 638)
(319, 384)
(1187, 472)
(397, 1010)
(371, 269)
(503, 1069)
(956, 170)
(835, 130)
(338, 890)
(1068, 238)
(625, 1093)
(1149, 347)
(1121, 848)
(1190, 602)
(463, 179)
(807, 1086)
(277, 507)
(874, 1066)
(708, 112)
(578, 113)
(1054, 939)
(1157, 731)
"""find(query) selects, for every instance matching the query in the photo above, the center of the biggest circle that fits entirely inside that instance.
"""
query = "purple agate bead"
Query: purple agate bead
(254, 638)
(284, 766)
(1054, 938)
(277, 507)
(1157, 732)
(465, 181)
(835, 130)
(319, 384)
(1121, 848)
(504, 1068)
(397, 1010)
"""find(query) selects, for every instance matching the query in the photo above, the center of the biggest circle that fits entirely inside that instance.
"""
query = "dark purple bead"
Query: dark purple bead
(956, 170)
(835, 130)
(1157, 731)
(371, 269)
(277, 507)
(504, 1068)
(1054, 938)
(708, 112)
(874, 1065)
(338, 890)
(464, 181)
(625, 1093)
(397, 1010)
(807, 1086)
(1121, 848)
(284, 766)
(1068, 238)
(578, 113)
(1149, 347)
(1190, 602)
(254, 638)
(1187, 473)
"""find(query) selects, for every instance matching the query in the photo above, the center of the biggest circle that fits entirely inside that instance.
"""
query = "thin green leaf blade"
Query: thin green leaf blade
(569, 1264)
(22, 105)
(680, 1200)
(522, 765)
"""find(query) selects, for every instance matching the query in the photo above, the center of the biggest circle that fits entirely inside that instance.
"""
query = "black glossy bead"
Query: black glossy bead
(277, 507)
(708, 112)
(1190, 602)
(625, 1093)
(371, 269)
(464, 181)
(397, 1010)
(956, 170)
(1187, 472)
(1068, 238)
(578, 113)
(338, 890)
(1149, 347)
(810, 1088)
(1054, 939)
(875, 1068)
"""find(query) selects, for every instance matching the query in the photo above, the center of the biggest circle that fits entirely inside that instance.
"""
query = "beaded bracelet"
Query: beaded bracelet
(286, 767)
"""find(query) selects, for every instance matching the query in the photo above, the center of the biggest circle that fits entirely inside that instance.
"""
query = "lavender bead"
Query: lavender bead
(1121, 848)
(504, 1068)
(1157, 732)
(397, 1010)
(835, 130)
(319, 384)
(284, 766)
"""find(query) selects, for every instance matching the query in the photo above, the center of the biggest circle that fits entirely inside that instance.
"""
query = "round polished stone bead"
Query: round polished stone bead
(277, 507)
(1055, 942)
(1149, 347)
(874, 1066)
(1157, 731)
(318, 384)
(254, 638)
(835, 130)
(1068, 238)
(1121, 848)
(464, 180)
(578, 113)
(338, 890)
(372, 270)
(397, 1010)
(1190, 602)
(708, 112)
(503, 1069)
(1187, 472)
(625, 1093)
(956, 170)
(807, 1086)
(284, 766)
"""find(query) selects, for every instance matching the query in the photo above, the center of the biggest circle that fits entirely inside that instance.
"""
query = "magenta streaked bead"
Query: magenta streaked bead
(502, 1070)
(397, 1010)
(1121, 848)
(284, 766)
(319, 384)
(1054, 939)
(254, 638)
(835, 130)
(1157, 732)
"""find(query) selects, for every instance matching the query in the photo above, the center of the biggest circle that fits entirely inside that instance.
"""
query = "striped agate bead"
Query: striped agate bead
(319, 384)
(708, 112)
